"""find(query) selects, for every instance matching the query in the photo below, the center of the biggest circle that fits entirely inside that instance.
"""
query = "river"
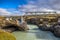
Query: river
(34, 34)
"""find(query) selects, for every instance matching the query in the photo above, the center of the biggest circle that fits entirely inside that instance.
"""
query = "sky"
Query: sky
(11, 3)
(17, 7)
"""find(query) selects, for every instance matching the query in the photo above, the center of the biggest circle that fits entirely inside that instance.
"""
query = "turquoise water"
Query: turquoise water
(34, 34)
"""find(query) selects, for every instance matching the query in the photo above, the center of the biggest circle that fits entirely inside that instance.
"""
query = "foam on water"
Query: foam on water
(35, 34)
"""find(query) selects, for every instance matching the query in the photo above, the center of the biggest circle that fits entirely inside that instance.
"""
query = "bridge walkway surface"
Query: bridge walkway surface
(34, 34)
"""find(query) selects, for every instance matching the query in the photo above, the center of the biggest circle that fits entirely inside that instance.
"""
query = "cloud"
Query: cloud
(40, 5)
(17, 13)
(55, 4)
(27, 7)
(34, 6)
(51, 4)
(4, 12)
(9, 12)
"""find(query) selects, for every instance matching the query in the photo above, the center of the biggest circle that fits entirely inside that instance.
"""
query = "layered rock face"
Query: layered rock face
(12, 25)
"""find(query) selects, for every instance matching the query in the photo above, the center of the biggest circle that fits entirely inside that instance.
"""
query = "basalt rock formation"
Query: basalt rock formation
(12, 25)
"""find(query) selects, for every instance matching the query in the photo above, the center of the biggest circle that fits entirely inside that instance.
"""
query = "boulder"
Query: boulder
(44, 27)
(11, 26)
(23, 26)
(57, 30)
(33, 21)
